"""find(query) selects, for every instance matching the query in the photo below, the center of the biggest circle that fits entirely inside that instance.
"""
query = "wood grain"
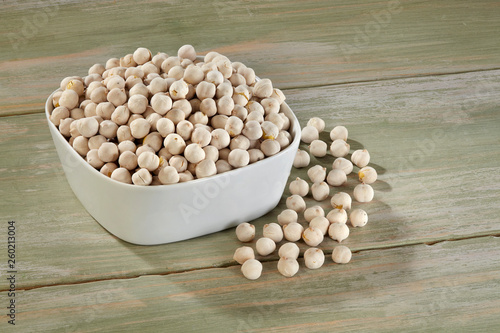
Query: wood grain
(433, 140)
(450, 286)
(295, 43)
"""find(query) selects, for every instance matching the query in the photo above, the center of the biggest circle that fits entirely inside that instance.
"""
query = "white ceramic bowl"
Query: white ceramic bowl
(149, 215)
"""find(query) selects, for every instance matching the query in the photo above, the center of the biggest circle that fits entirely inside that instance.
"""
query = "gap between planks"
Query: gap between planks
(413, 76)
(232, 263)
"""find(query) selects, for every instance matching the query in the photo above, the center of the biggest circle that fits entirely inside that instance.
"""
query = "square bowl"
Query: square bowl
(150, 215)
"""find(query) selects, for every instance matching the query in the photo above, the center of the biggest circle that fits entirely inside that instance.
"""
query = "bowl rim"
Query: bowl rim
(293, 122)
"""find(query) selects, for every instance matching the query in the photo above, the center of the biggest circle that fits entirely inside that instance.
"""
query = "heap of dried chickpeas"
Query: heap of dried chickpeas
(319, 226)
(153, 120)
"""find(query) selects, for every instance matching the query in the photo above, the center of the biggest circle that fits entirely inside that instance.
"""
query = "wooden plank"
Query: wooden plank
(423, 194)
(295, 43)
(450, 286)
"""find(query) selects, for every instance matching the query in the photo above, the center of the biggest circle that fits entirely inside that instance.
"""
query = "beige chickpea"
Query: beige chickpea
(320, 191)
(317, 173)
(234, 126)
(337, 215)
(77, 113)
(299, 186)
(128, 160)
(205, 90)
(170, 62)
(205, 168)
(108, 129)
(168, 175)
(245, 232)
(128, 61)
(342, 164)
(185, 129)
(90, 110)
(243, 254)
(142, 177)
(224, 153)
(120, 115)
(255, 116)
(341, 254)
(108, 152)
(215, 77)
(296, 202)
(105, 110)
(312, 212)
(219, 121)
(289, 250)
(141, 56)
(69, 99)
(276, 119)
(81, 145)
(198, 118)
(139, 128)
(358, 217)
(174, 143)
(208, 107)
(309, 134)
(237, 79)
(165, 126)
(249, 75)
(287, 216)
(293, 231)
(255, 155)
(338, 231)
(265, 246)
(302, 159)
(142, 149)
(318, 148)
(211, 153)
(185, 176)
(201, 136)
(223, 166)
(176, 115)
(253, 130)
(92, 78)
(270, 147)
(161, 103)
(180, 163)
(341, 200)
(138, 102)
(240, 112)
(58, 114)
(238, 158)
(194, 153)
(127, 146)
(179, 89)
(65, 126)
(320, 223)
(314, 258)
(239, 142)
(158, 85)
(363, 193)
(288, 267)
(312, 236)
(367, 175)
(336, 177)
(225, 105)
(187, 52)
(152, 119)
(318, 123)
(97, 96)
(114, 81)
(263, 88)
(273, 231)
(88, 127)
(360, 157)
(220, 138)
(339, 148)
(270, 105)
(121, 175)
(124, 134)
(108, 168)
(93, 159)
(150, 72)
(194, 75)
(76, 85)
(283, 139)
(339, 133)
(269, 130)
(149, 161)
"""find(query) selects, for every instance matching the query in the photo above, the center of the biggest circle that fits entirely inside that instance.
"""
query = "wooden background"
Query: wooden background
(416, 82)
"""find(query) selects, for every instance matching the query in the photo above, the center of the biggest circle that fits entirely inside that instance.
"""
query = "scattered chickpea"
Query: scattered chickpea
(251, 269)
(314, 258)
(338, 231)
(245, 232)
(336, 177)
(339, 148)
(312, 236)
(265, 246)
(302, 159)
(299, 187)
(296, 203)
(243, 254)
(309, 134)
(367, 175)
(317, 173)
(313, 212)
(341, 254)
(320, 223)
(108, 152)
(360, 157)
(342, 164)
(318, 123)
(288, 267)
(358, 217)
(273, 231)
(341, 200)
(318, 148)
(287, 216)
(289, 250)
(320, 191)
(363, 193)
(339, 133)
(293, 231)
(337, 215)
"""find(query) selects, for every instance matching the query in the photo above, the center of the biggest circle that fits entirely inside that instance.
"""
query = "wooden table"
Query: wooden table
(417, 83)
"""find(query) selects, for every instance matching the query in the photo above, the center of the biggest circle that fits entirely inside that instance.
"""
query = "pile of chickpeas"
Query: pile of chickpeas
(157, 120)
(315, 225)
